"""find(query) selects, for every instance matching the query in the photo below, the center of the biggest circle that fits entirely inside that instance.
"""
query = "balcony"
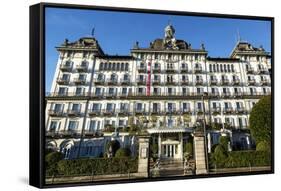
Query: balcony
(251, 82)
(108, 112)
(228, 110)
(214, 94)
(123, 112)
(125, 82)
(82, 67)
(198, 70)
(199, 82)
(171, 82)
(93, 133)
(98, 81)
(141, 81)
(170, 111)
(141, 69)
(73, 113)
(94, 112)
(199, 111)
(262, 71)
(63, 81)
(69, 133)
(265, 82)
(214, 82)
(55, 113)
(237, 94)
(184, 70)
(79, 81)
(170, 70)
(225, 82)
(139, 111)
(156, 82)
(156, 70)
(112, 82)
(156, 111)
(250, 70)
(66, 67)
(240, 110)
(235, 82)
(216, 110)
(226, 94)
(111, 95)
(184, 82)
(186, 111)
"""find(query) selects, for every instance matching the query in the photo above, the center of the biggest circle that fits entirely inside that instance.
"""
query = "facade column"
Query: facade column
(143, 162)
(180, 147)
(159, 145)
(209, 142)
(200, 153)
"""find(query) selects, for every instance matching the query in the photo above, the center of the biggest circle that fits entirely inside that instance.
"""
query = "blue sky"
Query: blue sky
(117, 32)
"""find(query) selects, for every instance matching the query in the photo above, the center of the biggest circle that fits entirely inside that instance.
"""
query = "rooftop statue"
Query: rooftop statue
(169, 40)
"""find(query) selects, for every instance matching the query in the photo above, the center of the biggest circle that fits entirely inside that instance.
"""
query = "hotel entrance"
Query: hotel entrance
(170, 150)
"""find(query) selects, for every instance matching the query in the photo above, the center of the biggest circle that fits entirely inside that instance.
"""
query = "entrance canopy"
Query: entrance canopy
(169, 130)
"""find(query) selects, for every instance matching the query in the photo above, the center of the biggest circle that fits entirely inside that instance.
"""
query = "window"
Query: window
(79, 91)
(232, 68)
(113, 77)
(92, 126)
(98, 91)
(228, 68)
(75, 107)
(127, 67)
(100, 77)
(170, 91)
(95, 107)
(122, 67)
(65, 77)
(58, 107)
(109, 107)
(113, 66)
(155, 107)
(126, 77)
(121, 123)
(123, 106)
(111, 91)
(118, 66)
(185, 106)
(53, 125)
(62, 91)
(139, 106)
(124, 91)
(105, 66)
(210, 68)
(72, 125)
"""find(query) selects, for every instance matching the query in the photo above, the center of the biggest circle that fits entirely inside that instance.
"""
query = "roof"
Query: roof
(243, 47)
(222, 59)
(123, 57)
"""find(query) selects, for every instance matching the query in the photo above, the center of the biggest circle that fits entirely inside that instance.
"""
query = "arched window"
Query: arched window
(122, 67)
(127, 67)
(210, 68)
(67, 149)
(228, 68)
(221, 69)
(113, 77)
(114, 66)
(232, 68)
(224, 68)
(126, 77)
(100, 77)
(84, 63)
(218, 69)
(118, 66)
(101, 66)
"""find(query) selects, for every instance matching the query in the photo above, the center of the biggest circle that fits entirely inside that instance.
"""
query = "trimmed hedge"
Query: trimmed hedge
(236, 159)
(97, 166)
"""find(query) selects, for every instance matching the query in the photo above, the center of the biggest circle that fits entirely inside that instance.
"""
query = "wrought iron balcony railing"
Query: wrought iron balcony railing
(62, 81)
(55, 113)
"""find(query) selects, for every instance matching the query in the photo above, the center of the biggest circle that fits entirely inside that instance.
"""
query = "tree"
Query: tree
(263, 146)
(223, 141)
(220, 155)
(260, 120)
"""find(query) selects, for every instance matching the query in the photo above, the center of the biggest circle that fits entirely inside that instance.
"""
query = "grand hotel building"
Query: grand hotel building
(164, 87)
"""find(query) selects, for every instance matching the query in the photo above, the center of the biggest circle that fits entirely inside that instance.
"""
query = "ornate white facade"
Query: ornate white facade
(162, 84)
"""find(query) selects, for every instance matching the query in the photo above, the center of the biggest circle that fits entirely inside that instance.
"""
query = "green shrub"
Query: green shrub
(123, 152)
(97, 166)
(223, 141)
(51, 161)
(263, 146)
(238, 159)
(220, 156)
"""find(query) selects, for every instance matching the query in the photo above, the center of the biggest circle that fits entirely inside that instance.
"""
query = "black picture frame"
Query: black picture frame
(37, 91)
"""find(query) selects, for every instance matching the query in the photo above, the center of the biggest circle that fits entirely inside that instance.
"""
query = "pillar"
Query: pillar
(143, 162)
(159, 146)
(200, 153)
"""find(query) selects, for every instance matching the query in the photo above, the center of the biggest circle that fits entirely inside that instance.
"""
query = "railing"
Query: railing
(125, 81)
(72, 112)
(262, 71)
(224, 82)
(184, 82)
(240, 110)
(141, 81)
(53, 112)
(79, 81)
(94, 112)
(215, 110)
(81, 68)
(156, 94)
(141, 68)
(62, 81)
(170, 70)
(156, 82)
(235, 82)
(156, 69)
(112, 81)
(250, 70)
(251, 82)
(198, 70)
(228, 110)
(199, 82)
(99, 81)
(108, 111)
(214, 82)
(184, 70)
(65, 67)
(265, 82)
